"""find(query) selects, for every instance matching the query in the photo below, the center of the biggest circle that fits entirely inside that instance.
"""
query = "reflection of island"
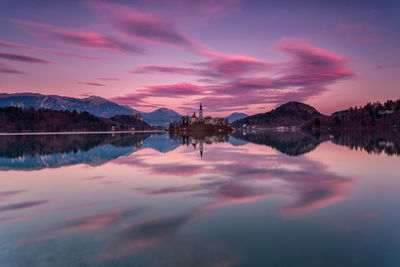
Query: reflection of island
(199, 139)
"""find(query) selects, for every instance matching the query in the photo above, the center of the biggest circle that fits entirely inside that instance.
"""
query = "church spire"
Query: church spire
(201, 113)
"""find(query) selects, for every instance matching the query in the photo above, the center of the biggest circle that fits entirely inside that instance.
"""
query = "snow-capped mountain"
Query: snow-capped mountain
(94, 104)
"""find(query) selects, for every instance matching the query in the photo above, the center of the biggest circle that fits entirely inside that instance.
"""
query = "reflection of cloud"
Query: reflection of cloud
(92, 222)
(248, 178)
(13, 219)
(22, 205)
(4, 195)
(146, 233)
(95, 177)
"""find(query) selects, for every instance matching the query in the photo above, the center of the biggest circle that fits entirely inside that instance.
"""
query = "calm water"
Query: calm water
(276, 199)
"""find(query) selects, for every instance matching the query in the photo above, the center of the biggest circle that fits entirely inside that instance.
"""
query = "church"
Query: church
(203, 120)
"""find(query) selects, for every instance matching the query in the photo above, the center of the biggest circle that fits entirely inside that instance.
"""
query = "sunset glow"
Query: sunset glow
(233, 55)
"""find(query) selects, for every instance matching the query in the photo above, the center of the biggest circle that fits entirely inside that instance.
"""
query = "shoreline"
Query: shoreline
(86, 132)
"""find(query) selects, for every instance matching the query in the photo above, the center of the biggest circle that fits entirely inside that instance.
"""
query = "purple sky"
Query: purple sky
(245, 56)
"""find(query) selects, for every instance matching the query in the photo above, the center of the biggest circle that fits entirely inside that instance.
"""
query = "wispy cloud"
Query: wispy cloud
(246, 80)
(8, 70)
(22, 58)
(78, 38)
(63, 53)
(91, 83)
(144, 27)
(22, 205)
(108, 78)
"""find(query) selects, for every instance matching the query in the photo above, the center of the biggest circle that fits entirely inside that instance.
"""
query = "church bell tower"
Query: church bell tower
(201, 113)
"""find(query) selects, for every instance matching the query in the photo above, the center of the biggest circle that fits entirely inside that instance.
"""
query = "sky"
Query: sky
(232, 55)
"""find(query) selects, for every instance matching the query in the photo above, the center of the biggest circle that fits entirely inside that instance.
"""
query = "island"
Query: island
(201, 126)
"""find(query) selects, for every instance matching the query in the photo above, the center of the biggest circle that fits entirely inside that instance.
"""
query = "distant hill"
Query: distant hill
(95, 105)
(14, 119)
(289, 114)
(236, 116)
(161, 117)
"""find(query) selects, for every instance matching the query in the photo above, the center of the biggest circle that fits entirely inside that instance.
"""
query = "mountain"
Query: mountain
(95, 105)
(289, 114)
(236, 116)
(161, 117)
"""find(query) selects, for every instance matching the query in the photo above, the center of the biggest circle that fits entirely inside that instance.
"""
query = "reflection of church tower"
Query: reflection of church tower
(201, 148)
(201, 113)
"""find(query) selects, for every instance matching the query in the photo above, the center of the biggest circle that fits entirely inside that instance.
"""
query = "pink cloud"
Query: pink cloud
(8, 70)
(143, 27)
(14, 45)
(235, 66)
(22, 58)
(169, 70)
(308, 72)
(206, 7)
(78, 39)
(52, 51)
(227, 66)
(91, 83)
(108, 78)
(312, 65)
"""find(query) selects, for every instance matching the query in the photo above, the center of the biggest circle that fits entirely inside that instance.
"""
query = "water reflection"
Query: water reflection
(32, 152)
(170, 200)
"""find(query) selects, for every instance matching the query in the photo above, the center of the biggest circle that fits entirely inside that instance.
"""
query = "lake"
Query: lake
(155, 199)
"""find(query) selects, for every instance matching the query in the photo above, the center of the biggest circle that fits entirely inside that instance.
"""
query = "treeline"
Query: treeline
(372, 116)
(14, 119)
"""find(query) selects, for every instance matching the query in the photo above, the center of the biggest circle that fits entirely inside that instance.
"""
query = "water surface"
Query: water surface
(147, 199)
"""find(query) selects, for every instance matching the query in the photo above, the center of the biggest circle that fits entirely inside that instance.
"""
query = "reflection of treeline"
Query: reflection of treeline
(375, 142)
(372, 116)
(14, 119)
(15, 146)
(290, 143)
(298, 142)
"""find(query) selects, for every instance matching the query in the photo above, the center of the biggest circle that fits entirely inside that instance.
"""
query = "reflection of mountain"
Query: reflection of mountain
(161, 143)
(95, 156)
(237, 142)
(290, 143)
(49, 151)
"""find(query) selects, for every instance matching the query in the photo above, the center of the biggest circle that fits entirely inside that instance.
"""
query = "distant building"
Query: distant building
(138, 116)
(193, 119)
(209, 120)
(387, 111)
(201, 113)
